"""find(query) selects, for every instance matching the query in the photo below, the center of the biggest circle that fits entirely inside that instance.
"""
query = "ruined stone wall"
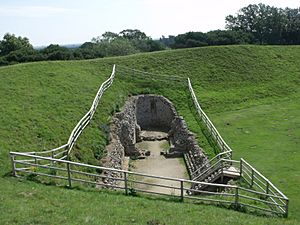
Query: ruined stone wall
(146, 112)
(126, 126)
(183, 141)
(154, 112)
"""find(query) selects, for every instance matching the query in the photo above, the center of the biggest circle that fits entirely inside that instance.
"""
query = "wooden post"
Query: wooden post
(181, 190)
(69, 175)
(13, 164)
(125, 183)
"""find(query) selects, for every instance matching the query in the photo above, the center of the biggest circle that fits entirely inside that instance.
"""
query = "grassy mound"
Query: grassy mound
(250, 92)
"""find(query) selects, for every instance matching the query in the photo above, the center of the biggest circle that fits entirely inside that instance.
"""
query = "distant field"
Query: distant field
(250, 92)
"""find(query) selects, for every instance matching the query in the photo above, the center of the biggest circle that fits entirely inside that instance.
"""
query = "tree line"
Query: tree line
(254, 24)
(15, 49)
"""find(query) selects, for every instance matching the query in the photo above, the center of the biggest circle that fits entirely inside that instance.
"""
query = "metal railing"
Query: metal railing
(209, 125)
(199, 171)
(259, 182)
(72, 173)
(52, 164)
(63, 151)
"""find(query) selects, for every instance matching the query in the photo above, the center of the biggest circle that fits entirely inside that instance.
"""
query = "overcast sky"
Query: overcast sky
(77, 21)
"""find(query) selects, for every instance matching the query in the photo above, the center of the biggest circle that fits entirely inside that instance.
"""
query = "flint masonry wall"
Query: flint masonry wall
(184, 141)
(149, 112)
(154, 112)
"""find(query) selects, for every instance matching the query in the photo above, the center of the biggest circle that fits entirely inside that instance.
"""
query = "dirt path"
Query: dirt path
(157, 164)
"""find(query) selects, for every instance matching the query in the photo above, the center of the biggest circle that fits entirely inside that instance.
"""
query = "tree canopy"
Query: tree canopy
(253, 24)
(267, 24)
(12, 43)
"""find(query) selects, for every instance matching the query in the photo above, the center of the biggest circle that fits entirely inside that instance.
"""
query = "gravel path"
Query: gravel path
(156, 164)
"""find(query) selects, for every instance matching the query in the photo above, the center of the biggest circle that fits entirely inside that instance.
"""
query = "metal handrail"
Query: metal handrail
(210, 161)
(223, 145)
(238, 196)
(83, 122)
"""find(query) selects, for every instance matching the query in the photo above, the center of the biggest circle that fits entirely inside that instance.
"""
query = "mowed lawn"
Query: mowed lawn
(268, 136)
(251, 93)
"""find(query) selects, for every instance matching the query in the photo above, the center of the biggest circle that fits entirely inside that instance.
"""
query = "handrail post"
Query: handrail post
(125, 183)
(241, 167)
(252, 177)
(222, 170)
(52, 156)
(236, 200)
(181, 190)
(35, 159)
(13, 164)
(286, 208)
(69, 175)
(267, 187)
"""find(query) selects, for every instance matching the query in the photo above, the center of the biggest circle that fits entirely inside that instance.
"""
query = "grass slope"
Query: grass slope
(251, 93)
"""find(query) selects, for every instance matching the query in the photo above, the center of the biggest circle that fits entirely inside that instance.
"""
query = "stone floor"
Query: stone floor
(157, 164)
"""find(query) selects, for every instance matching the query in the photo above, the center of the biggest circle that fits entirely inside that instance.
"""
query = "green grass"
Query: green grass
(250, 92)
(269, 130)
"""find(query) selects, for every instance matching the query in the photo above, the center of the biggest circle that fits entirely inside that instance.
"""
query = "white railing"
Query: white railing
(63, 151)
(51, 164)
(72, 172)
(259, 182)
(223, 155)
(209, 125)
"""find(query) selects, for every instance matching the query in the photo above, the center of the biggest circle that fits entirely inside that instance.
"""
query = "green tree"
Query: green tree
(133, 34)
(268, 25)
(12, 43)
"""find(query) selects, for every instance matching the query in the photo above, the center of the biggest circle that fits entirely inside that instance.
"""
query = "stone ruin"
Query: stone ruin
(154, 113)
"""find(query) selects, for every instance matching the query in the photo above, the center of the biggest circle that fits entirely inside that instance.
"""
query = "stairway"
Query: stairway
(220, 172)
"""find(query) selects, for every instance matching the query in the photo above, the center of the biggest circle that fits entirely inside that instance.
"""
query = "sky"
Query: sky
(47, 22)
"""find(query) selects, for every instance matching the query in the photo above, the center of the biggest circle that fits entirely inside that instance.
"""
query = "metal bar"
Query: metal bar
(53, 150)
(69, 175)
(153, 192)
(12, 158)
(259, 186)
(252, 177)
(121, 171)
(208, 199)
(260, 208)
(43, 174)
(153, 184)
(209, 192)
(181, 190)
(270, 183)
(260, 200)
(261, 193)
(40, 165)
(125, 183)
(286, 208)
(236, 198)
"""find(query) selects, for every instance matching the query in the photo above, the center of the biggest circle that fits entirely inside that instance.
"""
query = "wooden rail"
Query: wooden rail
(72, 173)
